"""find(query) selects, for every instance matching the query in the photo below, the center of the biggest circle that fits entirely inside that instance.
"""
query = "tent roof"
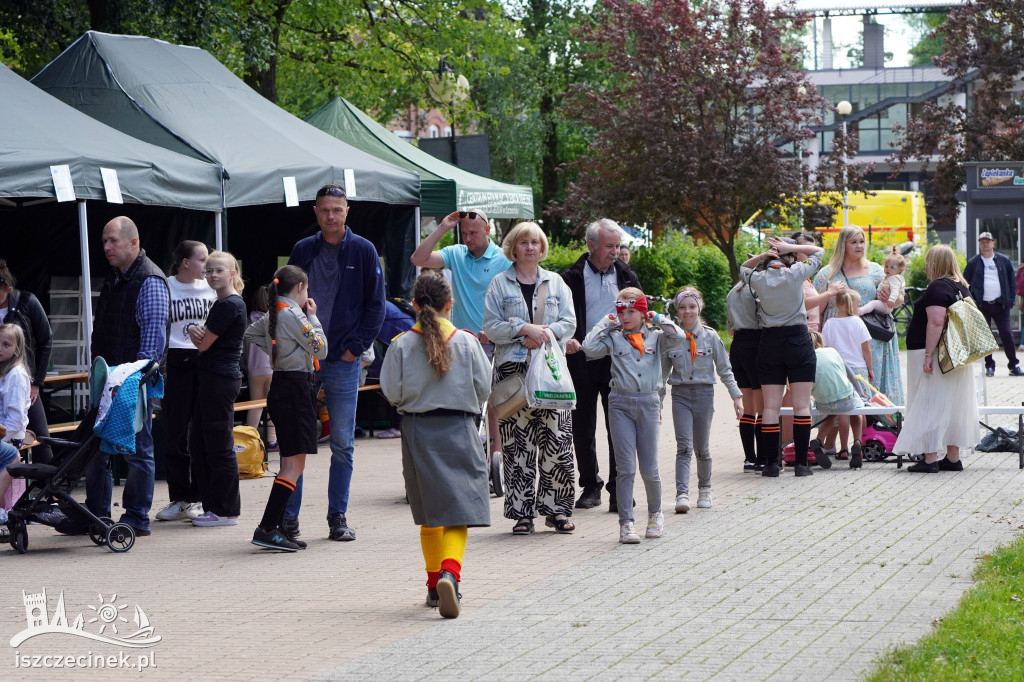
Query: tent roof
(446, 188)
(40, 131)
(183, 99)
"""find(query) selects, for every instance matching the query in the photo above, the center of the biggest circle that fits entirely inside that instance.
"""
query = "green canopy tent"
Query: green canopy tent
(445, 188)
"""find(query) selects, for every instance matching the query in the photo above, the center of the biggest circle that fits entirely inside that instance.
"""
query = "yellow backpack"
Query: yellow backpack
(251, 453)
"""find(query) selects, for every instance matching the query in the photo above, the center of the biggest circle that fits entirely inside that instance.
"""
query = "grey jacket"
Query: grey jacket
(633, 372)
(780, 291)
(300, 338)
(505, 313)
(711, 357)
(412, 385)
(741, 309)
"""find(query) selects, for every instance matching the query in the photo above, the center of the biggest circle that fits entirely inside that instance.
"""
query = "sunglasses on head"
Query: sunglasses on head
(330, 192)
(625, 305)
(472, 215)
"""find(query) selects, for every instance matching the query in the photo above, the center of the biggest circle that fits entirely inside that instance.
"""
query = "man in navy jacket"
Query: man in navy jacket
(991, 278)
(346, 280)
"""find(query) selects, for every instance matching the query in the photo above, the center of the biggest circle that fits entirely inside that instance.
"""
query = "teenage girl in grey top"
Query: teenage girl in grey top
(743, 325)
(776, 278)
(693, 368)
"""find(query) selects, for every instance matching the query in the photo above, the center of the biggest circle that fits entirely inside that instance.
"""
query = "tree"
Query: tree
(687, 125)
(982, 56)
(925, 50)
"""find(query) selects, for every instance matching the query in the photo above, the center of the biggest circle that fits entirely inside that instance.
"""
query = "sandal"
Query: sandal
(842, 454)
(560, 525)
(523, 527)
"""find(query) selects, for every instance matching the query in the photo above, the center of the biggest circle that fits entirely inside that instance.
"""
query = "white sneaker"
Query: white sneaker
(704, 498)
(628, 534)
(207, 519)
(177, 511)
(682, 504)
(655, 525)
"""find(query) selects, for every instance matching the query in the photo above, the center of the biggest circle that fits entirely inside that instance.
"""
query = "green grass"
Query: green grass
(981, 639)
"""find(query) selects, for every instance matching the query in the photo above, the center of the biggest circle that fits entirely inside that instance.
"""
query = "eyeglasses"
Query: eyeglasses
(472, 215)
(215, 271)
(330, 192)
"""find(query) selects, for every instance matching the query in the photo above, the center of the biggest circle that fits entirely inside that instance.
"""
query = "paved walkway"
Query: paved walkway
(782, 579)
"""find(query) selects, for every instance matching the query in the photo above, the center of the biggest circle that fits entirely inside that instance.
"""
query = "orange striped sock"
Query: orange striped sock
(280, 493)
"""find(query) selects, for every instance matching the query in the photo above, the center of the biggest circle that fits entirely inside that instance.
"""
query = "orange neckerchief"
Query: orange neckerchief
(273, 342)
(636, 340)
(692, 338)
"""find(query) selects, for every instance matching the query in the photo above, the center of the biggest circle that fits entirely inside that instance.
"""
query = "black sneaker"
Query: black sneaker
(589, 499)
(856, 461)
(991, 371)
(339, 529)
(433, 600)
(771, 471)
(749, 467)
(924, 467)
(290, 527)
(448, 595)
(946, 465)
(1017, 372)
(802, 470)
(273, 539)
(758, 468)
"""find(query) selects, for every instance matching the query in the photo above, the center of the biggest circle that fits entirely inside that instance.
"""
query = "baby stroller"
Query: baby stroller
(52, 484)
(881, 430)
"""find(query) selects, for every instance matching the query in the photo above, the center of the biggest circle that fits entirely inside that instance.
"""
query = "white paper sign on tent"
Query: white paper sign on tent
(350, 182)
(111, 186)
(291, 191)
(62, 185)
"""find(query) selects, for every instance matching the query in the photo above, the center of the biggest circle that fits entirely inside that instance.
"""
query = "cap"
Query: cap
(986, 235)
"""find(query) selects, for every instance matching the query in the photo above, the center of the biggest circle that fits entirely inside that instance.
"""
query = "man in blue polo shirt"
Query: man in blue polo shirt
(473, 265)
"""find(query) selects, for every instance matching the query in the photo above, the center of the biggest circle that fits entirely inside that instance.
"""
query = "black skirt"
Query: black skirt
(291, 402)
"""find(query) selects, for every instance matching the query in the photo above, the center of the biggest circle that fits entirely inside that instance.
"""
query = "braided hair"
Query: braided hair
(431, 292)
(285, 280)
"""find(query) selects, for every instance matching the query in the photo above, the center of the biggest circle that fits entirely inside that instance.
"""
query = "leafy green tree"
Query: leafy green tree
(925, 50)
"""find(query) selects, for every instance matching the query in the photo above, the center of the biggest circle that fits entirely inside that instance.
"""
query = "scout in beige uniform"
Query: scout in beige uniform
(438, 377)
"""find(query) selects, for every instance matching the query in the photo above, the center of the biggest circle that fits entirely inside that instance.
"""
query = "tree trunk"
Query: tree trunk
(549, 163)
(264, 80)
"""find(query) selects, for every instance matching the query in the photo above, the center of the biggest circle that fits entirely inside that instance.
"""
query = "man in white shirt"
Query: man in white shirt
(994, 289)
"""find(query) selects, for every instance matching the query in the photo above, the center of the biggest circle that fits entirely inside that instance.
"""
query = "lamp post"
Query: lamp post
(844, 109)
(449, 89)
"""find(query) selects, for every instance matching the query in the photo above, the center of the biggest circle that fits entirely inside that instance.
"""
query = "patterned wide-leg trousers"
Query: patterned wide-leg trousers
(537, 460)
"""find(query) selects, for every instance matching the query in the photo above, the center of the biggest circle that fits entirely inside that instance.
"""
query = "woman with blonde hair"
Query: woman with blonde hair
(850, 267)
(537, 452)
(941, 408)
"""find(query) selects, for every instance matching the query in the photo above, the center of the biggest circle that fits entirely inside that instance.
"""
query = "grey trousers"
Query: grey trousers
(693, 406)
(634, 419)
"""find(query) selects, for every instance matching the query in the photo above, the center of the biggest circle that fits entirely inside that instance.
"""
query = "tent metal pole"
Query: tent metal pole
(419, 238)
(83, 244)
(219, 230)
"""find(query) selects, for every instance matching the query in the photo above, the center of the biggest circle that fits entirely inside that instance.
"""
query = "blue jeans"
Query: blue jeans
(8, 453)
(137, 497)
(341, 388)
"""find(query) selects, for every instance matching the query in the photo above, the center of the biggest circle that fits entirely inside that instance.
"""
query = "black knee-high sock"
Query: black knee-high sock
(757, 437)
(801, 437)
(768, 445)
(280, 492)
(747, 437)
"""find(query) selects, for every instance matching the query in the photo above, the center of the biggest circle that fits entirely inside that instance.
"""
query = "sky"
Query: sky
(899, 38)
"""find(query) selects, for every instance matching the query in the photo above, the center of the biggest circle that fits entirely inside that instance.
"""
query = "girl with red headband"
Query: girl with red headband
(693, 396)
(634, 405)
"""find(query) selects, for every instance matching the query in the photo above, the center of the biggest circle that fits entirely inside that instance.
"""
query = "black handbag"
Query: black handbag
(880, 326)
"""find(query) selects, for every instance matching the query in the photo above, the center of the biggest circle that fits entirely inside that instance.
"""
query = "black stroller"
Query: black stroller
(52, 484)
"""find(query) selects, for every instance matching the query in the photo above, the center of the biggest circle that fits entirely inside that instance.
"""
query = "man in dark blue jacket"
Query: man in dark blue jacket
(346, 280)
(994, 288)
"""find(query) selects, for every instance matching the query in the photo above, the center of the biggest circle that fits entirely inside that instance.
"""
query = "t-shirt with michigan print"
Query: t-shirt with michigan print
(189, 305)
(470, 279)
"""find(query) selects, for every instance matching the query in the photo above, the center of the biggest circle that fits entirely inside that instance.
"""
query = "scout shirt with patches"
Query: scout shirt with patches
(412, 385)
(634, 371)
(300, 337)
(698, 363)
(780, 291)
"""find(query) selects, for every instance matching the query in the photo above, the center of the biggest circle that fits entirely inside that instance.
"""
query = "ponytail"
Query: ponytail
(431, 292)
(285, 280)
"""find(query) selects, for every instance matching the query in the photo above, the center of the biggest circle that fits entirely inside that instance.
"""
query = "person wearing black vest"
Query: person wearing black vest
(130, 324)
(595, 279)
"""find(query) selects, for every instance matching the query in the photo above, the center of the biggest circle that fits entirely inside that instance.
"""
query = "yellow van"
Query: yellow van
(887, 216)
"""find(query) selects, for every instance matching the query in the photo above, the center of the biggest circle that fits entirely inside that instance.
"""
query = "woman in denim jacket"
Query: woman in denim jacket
(533, 440)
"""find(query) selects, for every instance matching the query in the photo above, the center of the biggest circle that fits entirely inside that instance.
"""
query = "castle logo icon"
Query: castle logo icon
(106, 617)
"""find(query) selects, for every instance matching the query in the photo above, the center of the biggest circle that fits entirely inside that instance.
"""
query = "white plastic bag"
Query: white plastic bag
(548, 384)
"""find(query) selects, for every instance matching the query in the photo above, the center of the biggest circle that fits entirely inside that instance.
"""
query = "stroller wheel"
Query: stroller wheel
(120, 537)
(19, 538)
(497, 476)
(98, 534)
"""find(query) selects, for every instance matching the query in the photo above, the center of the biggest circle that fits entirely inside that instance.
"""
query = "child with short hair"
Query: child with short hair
(833, 393)
(889, 289)
(15, 392)
(692, 379)
(634, 404)
(438, 377)
(211, 439)
(294, 339)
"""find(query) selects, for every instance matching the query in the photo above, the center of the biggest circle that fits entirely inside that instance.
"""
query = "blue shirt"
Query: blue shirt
(151, 312)
(470, 279)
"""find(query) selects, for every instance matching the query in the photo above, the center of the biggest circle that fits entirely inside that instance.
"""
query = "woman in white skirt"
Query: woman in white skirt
(941, 408)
